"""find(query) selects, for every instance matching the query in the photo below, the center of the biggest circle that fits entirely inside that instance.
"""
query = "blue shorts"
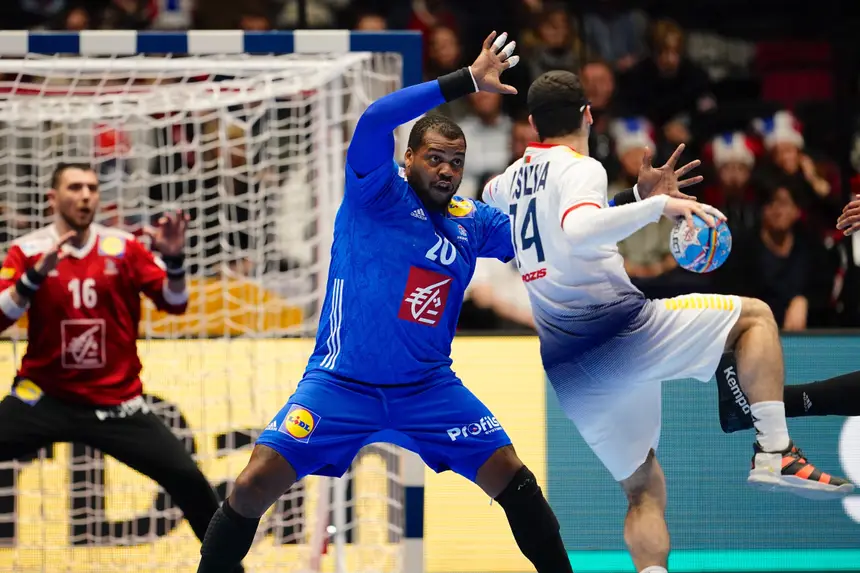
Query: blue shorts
(328, 419)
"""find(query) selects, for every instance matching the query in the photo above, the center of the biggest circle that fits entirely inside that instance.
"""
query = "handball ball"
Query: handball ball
(700, 249)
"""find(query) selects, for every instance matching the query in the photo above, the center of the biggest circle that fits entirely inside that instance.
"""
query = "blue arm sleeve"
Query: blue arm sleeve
(495, 241)
(372, 144)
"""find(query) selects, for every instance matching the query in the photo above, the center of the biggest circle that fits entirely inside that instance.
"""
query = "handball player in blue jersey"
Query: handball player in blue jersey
(404, 250)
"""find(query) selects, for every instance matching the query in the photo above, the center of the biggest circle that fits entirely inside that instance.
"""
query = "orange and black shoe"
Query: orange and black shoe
(789, 471)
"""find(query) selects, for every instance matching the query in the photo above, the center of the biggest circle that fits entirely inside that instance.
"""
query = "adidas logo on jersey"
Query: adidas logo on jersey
(419, 214)
(272, 426)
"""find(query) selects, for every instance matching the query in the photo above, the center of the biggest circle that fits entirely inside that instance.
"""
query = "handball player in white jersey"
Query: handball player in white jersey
(605, 347)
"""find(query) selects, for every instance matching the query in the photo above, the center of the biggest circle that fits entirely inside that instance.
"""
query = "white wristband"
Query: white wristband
(475, 83)
(636, 192)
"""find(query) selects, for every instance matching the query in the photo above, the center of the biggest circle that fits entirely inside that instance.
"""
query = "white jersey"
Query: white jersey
(538, 191)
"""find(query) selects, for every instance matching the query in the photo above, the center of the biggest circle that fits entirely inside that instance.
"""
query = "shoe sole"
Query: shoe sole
(768, 481)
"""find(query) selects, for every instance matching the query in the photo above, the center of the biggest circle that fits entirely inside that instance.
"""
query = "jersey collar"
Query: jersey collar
(85, 249)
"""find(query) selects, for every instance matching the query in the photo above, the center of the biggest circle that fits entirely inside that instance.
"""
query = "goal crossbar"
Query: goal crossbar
(96, 43)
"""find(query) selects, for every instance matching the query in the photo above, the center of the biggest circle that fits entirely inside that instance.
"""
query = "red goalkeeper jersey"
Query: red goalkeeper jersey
(83, 321)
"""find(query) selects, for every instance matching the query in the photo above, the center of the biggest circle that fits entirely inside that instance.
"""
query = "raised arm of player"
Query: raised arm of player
(19, 281)
(588, 225)
(164, 284)
(371, 150)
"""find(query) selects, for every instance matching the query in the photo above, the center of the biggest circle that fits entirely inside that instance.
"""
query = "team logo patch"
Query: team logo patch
(27, 391)
(83, 343)
(111, 246)
(300, 423)
(460, 207)
(425, 297)
(7, 273)
(462, 235)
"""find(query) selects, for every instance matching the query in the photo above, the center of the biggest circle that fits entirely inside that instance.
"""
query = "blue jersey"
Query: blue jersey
(398, 271)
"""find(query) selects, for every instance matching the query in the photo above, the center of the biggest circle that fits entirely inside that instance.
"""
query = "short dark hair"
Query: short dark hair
(555, 102)
(441, 124)
(62, 167)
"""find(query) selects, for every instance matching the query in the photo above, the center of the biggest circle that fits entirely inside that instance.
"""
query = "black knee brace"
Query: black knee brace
(533, 524)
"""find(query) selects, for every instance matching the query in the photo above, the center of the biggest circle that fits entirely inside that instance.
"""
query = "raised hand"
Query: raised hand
(665, 180)
(495, 57)
(52, 257)
(849, 221)
(168, 238)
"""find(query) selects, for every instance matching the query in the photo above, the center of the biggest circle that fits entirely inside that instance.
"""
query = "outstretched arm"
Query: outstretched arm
(372, 143)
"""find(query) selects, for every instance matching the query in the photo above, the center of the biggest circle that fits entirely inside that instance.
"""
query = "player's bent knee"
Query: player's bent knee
(754, 313)
(497, 472)
(756, 309)
(646, 483)
(266, 477)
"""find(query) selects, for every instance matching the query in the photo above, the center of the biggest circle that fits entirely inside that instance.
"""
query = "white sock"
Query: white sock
(771, 429)
(654, 569)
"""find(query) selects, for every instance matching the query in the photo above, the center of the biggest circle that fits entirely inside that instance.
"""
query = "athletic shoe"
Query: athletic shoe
(789, 471)
(733, 404)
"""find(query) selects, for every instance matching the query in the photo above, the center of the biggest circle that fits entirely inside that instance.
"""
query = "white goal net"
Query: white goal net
(252, 147)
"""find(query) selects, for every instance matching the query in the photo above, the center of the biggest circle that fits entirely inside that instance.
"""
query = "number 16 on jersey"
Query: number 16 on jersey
(528, 232)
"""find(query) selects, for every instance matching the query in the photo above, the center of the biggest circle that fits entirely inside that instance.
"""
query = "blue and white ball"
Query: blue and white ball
(701, 249)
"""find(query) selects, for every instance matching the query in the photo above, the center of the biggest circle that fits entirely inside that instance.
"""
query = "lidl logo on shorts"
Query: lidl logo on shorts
(111, 246)
(460, 207)
(300, 423)
(486, 425)
(27, 391)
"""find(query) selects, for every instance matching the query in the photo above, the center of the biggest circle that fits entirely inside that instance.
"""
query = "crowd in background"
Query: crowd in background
(754, 102)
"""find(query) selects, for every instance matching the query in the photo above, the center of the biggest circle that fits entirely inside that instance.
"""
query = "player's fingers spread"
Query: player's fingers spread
(508, 51)
(488, 42)
(687, 168)
(705, 216)
(675, 156)
(679, 195)
(691, 181)
(646, 157)
(512, 61)
(688, 214)
(500, 41)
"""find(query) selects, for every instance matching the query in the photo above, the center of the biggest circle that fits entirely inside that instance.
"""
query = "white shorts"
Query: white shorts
(612, 393)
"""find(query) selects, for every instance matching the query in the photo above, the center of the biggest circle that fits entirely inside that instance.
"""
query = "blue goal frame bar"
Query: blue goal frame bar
(202, 42)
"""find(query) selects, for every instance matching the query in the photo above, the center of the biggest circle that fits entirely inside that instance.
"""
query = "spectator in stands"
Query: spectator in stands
(668, 88)
(786, 161)
(780, 265)
(77, 19)
(522, 133)
(127, 15)
(598, 80)
(370, 22)
(733, 193)
(488, 134)
(558, 47)
(444, 57)
(615, 31)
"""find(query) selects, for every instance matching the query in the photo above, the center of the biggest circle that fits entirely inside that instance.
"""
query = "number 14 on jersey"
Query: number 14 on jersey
(528, 232)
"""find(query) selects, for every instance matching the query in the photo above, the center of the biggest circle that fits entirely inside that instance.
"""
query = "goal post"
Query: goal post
(247, 132)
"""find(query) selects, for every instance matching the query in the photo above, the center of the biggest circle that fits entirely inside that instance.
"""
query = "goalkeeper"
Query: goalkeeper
(79, 380)
(404, 250)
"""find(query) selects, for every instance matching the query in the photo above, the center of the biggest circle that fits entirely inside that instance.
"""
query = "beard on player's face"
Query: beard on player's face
(77, 215)
(435, 170)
